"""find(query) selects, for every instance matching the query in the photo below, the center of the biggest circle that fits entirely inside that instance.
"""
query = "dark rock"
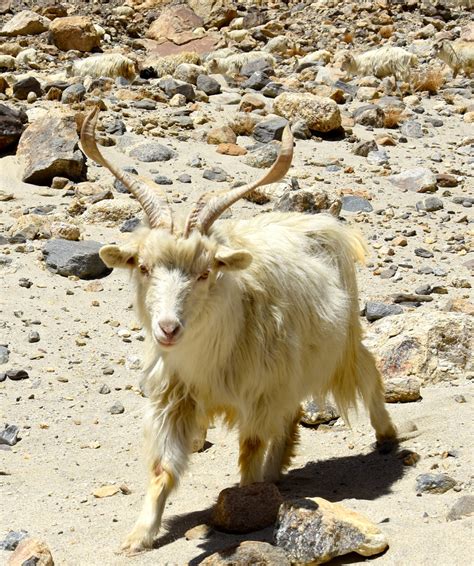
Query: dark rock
(353, 203)
(117, 127)
(270, 130)
(130, 225)
(11, 126)
(257, 80)
(81, 259)
(272, 89)
(375, 311)
(50, 148)
(118, 185)
(162, 180)
(151, 152)
(435, 122)
(464, 507)
(23, 87)
(363, 148)
(33, 336)
(215, 174)
(208, 85)
(447, 180)
(254, 66)
(73, 93)
(300, 130)
(10, 542)
(185, 178)
(172, 87)
(145, 104)
(248, 553)
(17, 374)
(369, 115)
(246, 509)
(422, 252)
(117, 408)
(9, 435)
(312, 531)
(434, 483)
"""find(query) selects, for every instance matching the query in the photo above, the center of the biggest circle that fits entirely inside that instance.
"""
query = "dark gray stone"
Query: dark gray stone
(464, 507)
(162, 180)
(117, 127)
(369, 115)
(208, 85)
(215, 174)
(73, 93)
(130, 224)
(300, 130)
(270, 130)
(13, 538)
(23, 87)
(185, 178)
(118, 185)
(81, 259)
(145, 104)
(172, 87)
(434, 483)
(12, 123)
(375, 311)
(422, 252)
(272, 89)
(9, 435)
(254, 66)
(152, 151)
(412, 129)
(17, 374)
(352, 203)
(257, 80)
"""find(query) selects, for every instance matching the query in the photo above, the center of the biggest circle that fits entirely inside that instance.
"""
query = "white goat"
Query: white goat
(111, 65)
(459, 55)
(228, 62)
(244, 319)
(383, 62)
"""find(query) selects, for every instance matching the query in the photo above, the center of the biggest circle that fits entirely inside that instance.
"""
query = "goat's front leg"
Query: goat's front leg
(169, 431)
(251, 454)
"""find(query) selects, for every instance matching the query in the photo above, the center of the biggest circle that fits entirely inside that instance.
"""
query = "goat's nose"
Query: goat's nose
(170, 327)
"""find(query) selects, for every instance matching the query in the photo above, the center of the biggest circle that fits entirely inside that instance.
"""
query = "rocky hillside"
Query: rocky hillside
(195, 95)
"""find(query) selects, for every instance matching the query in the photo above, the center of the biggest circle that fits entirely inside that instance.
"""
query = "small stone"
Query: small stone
(12, 539)
(246, 509)
(353, 203)
(9, 435)
(270, 130)
(104, 390)
(185, 178)
(33, 337)
(422, 252)
(17, 374)
(375, 311)
(320, 114)
(215, 174)
(248, 553)
(363, 148)
(378, 158)
(402, 389)
(117, 408)
(208, 85)
(434, 483)
(150, 152)
(73, 93)
(130, 224)
(464, 507)
(460, 398)
(446, 180)
(4, 355)
(231, 149)
(430, 204)
(315, 531)
(23, 87)
(411, 129)
(263, 157)
(257, 80)
(162, 180)
(369, 115)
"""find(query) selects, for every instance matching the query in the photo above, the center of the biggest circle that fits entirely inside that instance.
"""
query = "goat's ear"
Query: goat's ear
(118, 256)
(232, 260)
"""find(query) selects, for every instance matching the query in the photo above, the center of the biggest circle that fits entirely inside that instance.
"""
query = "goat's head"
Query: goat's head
(177, 266)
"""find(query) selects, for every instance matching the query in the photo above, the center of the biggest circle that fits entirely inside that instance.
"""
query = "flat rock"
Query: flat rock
(320, 114)
(434, 483)
(315, 531)
(9, 435)
(375, 311)
(49, 148)
(418, 180)
(176, 24)
(354, 203)
(222, 134)
(111, 212)
(23, 87)
(75, 258)
(31, 552)
(246, 509)
(248, 553)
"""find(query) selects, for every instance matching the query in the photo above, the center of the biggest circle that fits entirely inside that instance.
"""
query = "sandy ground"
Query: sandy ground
(71, 444)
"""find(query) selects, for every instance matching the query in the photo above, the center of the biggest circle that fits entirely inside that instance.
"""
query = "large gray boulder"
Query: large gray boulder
(81, 259)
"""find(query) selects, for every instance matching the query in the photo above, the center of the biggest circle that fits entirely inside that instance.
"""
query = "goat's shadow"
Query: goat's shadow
(359, 476)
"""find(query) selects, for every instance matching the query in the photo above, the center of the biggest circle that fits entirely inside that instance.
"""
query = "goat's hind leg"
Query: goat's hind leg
(282, 449)
(370, 385)
(169, 432)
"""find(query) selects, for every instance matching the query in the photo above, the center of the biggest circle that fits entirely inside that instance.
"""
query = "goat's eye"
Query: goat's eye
(144, 269)
(203, 276)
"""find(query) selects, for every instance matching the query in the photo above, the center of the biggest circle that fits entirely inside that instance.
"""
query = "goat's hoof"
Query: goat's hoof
(137, 541)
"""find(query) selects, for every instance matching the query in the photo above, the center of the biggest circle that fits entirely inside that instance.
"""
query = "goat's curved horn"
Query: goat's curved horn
(205, 213)
(155, 206)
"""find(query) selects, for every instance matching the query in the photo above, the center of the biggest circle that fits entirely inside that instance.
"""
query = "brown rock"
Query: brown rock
(385, 139)
(74, 32)
(31, 551)
(175, 24)
(221, 135)
(25, 23)
(248, 553)
(320, 114)
(402, 389)
(65, 231)
(49, 148)
(305, 200)
(246, 509)
(446, 180)
(251, 102)
(231, 149)
(215, 13)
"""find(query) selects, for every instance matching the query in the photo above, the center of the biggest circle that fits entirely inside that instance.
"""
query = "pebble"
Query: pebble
(4, 354)
(352, 203)
(105, 390)
(422, 252)
(430, 204)
(215, 174)
(17, 374)
(185, 178)
(375, 311)
(9, 435)
(33, 336)
(117, 408)
(412, 129)
(150, 152)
